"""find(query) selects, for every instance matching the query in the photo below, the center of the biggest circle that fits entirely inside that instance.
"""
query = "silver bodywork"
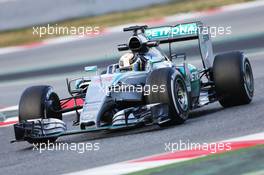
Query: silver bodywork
(105, 109)
(98, 91)
(99, 85)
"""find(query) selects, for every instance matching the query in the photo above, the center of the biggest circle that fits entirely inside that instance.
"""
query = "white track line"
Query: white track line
(11, 108)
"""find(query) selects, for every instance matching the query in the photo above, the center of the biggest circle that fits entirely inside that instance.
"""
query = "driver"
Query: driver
(129, 61)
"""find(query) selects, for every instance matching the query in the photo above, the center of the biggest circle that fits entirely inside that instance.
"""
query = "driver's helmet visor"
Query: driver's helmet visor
(126, 60)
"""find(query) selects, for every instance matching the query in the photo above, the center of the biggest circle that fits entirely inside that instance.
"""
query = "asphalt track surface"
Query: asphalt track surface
(208, 124)
(211, 123)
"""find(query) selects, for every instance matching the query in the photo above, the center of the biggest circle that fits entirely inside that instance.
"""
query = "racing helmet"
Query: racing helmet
(126, 61)
(130, 61)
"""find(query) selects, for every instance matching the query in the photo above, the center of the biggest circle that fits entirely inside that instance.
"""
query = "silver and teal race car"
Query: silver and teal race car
(145, 87)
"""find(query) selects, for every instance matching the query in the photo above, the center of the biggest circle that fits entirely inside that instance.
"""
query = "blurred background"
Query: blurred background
(16, 14)
(27, 59)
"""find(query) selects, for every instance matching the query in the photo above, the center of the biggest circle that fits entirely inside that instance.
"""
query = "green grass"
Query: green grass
(22, 36)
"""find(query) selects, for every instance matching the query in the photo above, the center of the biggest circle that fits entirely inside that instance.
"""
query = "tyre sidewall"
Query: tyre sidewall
(182, 113)
(33, 103)
(228, 70)
(168, 77)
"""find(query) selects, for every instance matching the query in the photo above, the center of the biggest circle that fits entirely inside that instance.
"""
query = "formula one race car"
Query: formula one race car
(145, 87)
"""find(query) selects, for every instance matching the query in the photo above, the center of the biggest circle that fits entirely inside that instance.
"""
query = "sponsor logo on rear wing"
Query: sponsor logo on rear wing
(184, 32)
(164, 34)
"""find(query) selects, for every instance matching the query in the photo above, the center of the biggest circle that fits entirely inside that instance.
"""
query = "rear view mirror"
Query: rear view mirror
(77, 85)
(91, 69)
(178, 56)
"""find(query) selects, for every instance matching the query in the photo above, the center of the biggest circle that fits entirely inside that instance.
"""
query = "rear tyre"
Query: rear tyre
(174, 94)
(39, 102)
(233, 79)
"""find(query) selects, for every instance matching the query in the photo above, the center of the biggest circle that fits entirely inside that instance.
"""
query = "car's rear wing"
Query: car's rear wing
(179, 32)
(185, 32)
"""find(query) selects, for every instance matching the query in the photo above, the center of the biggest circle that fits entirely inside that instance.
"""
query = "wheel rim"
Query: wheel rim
(181, 95)
(248, 78)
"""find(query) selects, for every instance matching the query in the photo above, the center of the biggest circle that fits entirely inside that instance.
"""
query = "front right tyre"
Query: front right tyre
(174, 94)
(40, 102)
